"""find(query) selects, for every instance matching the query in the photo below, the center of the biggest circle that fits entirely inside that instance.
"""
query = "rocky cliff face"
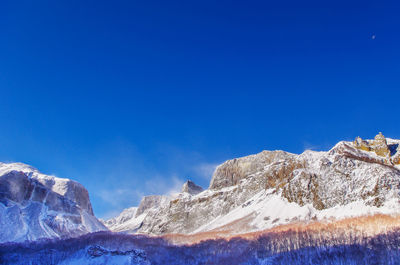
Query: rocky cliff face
(274, 187)
(34, 205)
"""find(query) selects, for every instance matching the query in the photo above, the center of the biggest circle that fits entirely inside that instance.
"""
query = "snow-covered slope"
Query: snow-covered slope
(125, 222)
(34, 205)
(130, 220)
(273, 188)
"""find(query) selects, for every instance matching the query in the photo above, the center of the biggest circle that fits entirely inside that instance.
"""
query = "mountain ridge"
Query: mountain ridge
(274, 188)
(247, 194)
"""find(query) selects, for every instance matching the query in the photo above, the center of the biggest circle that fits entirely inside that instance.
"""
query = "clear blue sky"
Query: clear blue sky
(134, 97)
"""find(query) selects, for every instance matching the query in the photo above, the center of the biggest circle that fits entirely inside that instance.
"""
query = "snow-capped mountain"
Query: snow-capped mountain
(34, 205)
(336, 207)
(275, 188)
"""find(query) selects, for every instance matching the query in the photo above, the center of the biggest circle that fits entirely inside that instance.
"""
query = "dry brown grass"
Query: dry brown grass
(365, 225)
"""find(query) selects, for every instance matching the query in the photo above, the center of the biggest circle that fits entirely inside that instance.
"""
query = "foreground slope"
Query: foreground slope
(334, 243)
(274, 188)
(34, 205)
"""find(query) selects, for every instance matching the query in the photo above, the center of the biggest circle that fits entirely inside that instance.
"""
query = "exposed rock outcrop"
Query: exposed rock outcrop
(380, 147)
(396, 156)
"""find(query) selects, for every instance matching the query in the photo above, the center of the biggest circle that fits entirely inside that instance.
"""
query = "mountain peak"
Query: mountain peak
(191, 188)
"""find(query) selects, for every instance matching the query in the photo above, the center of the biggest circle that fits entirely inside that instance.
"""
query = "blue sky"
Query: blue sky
(134, 97)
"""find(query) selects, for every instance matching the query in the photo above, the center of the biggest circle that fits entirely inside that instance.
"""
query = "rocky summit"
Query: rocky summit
(381, 147)
(191, 188)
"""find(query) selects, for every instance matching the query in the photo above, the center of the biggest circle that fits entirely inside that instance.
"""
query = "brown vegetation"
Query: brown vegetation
(365, 225)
